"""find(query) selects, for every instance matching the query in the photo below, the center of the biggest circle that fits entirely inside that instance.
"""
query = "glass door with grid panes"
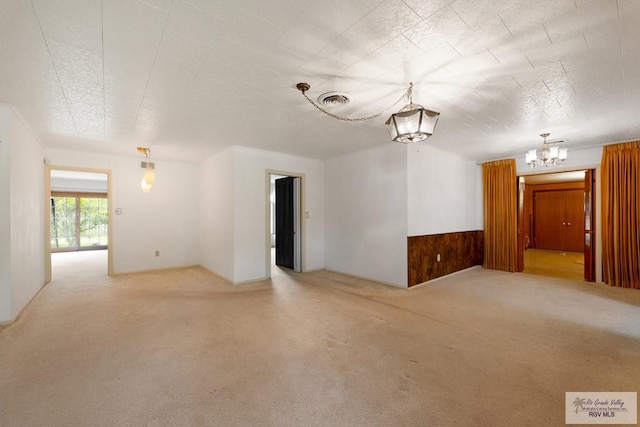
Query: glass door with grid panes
(79, 221)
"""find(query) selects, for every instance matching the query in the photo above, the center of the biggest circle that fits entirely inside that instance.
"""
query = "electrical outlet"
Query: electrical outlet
(157, 253)
(438, 257)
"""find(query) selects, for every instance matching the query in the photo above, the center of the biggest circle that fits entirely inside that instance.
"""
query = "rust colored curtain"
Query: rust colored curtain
(500, 215)
(620, 214)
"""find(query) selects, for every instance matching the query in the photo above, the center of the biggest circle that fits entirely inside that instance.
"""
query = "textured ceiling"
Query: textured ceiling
(189, 77)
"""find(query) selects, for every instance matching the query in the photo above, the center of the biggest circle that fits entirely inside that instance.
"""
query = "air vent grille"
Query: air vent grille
(333, 99)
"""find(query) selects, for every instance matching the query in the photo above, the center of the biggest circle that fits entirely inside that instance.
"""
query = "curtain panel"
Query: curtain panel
(500, 215)
(621, 214)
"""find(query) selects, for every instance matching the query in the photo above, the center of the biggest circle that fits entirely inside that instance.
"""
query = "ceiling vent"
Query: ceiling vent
(333, 99)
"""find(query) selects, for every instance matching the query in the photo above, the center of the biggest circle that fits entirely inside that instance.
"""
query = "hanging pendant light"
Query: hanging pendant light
(149, 177)
(412, 123)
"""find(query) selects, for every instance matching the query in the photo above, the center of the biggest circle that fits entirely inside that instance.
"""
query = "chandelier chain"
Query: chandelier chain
(406, 96)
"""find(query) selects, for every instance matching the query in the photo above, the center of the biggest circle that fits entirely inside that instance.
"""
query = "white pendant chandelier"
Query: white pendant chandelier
(550, 154)
(412, 123)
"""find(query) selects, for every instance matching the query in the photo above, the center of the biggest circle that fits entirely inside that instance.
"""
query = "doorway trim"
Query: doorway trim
(301, 215)
(47, 215)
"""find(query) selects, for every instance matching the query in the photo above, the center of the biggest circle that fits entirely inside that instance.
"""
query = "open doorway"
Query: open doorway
(284, 221)
(79, 227)
(556, 224)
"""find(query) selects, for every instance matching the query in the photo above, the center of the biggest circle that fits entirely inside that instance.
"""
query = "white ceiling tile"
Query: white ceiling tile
(596, 12)
(304, 40)
(162, 5)
(76, 22)
(121, 110)
(223, 10)
(178, 46)
(478, 12)
(133, 19)
(427, 8)
(195, 24)
(281, 13)
(602, 37)
(323, 22)
(432, 65)
(253, 31)
(444, 26)
(249, 61)
(391, 55)
(474, 68)
(76, 68)
(490, 32)
(323, 66)
(528, 13)
(628, 8)
(377, 28)
(334, 17)
(170, 72)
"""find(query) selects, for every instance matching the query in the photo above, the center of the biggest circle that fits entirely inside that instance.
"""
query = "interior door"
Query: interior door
(589, 221)
(285, 222)
(574, 227)
(548, 219)
(521, 234)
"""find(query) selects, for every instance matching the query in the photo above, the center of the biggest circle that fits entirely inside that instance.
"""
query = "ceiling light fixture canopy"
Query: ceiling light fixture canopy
(550, 154)
(149, 177)
(412, 123)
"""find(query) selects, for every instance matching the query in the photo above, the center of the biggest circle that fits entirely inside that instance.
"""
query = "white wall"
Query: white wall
(5, 215)
(366, 214)
(22, 215)
(444, 192)
(250, 215)
(216, 214)
(165, 219)
(27, 215)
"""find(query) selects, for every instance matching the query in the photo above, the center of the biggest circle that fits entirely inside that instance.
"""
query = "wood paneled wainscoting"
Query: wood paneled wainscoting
(457, 251)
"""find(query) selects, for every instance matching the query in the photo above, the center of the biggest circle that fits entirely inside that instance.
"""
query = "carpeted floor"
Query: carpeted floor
(184, 348)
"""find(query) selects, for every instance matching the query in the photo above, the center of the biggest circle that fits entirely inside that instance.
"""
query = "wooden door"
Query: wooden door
(574, 219)
(521, 224)
(548, 216)
(589, 222)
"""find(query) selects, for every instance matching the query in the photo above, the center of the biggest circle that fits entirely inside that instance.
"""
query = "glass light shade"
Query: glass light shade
(531, 156)
(411, 124)
(545, 154)
(149, 176)
(553, 152)
(145, 187)
(562, 154)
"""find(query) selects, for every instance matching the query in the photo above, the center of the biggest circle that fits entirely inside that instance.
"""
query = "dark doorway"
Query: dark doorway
(285, 223)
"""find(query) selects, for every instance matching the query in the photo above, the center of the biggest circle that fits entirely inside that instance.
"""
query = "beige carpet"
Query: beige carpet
(184, 348)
